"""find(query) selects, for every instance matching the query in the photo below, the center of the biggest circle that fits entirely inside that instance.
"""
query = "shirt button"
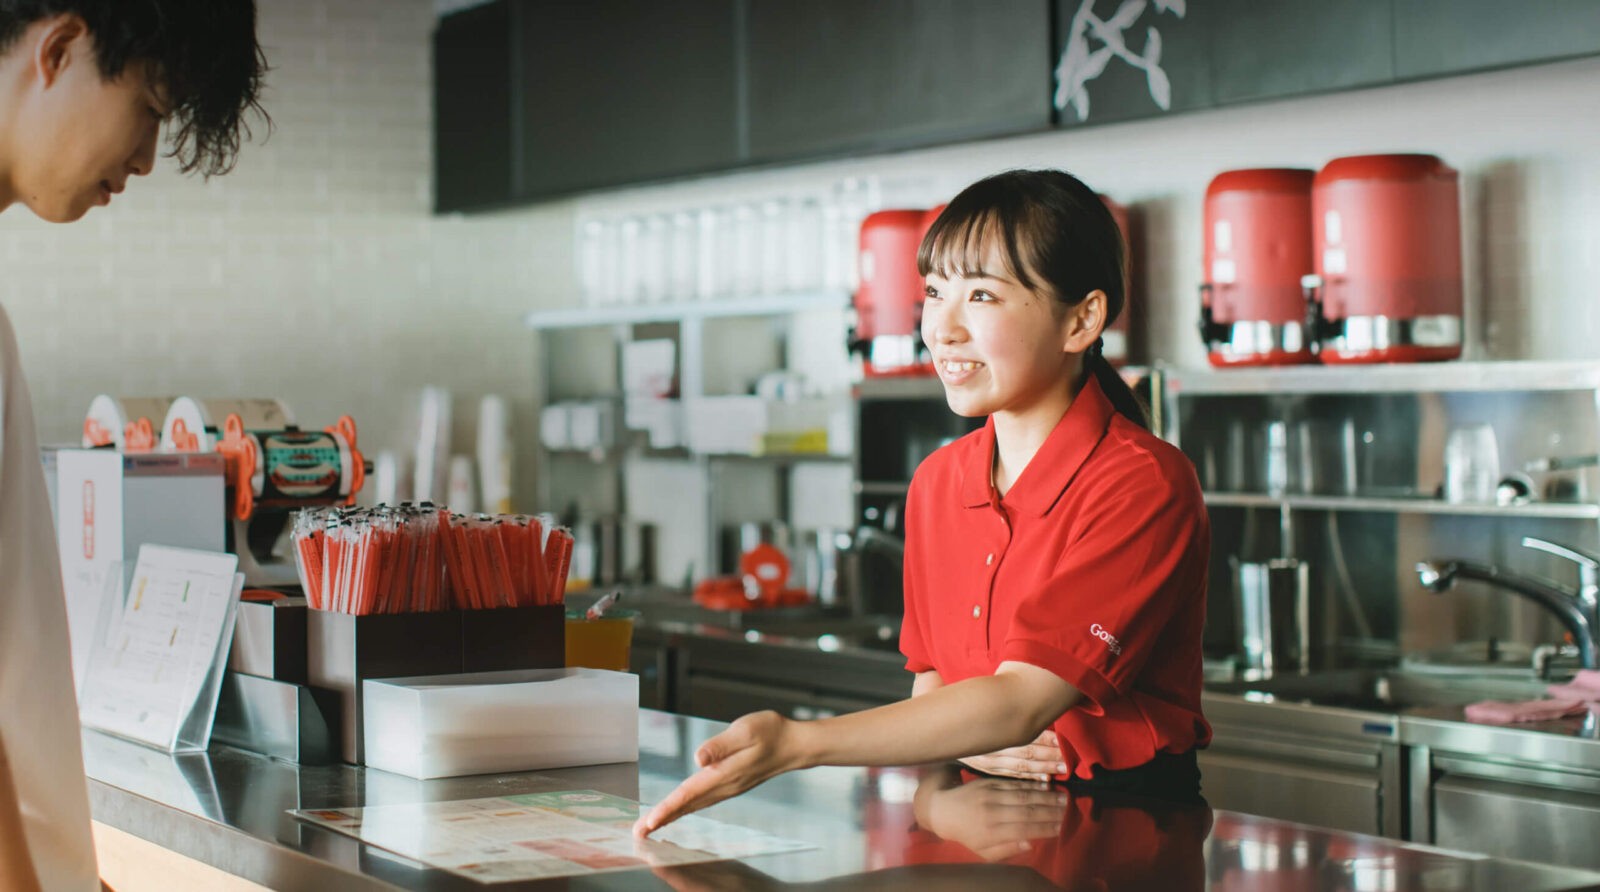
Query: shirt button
(977, 611)
(989, 560)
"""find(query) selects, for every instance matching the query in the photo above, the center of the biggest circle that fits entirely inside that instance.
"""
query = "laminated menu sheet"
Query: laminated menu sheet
(159, 650)
(541, 835)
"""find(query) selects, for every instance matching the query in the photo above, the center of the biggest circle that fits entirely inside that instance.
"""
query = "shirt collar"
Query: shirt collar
(1053, 467)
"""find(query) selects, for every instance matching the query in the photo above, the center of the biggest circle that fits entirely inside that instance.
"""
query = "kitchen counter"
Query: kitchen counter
(1342, 701)
(227, 808)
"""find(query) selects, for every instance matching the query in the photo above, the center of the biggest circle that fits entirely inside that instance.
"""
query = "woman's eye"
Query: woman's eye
(982, 296)
(930, 293)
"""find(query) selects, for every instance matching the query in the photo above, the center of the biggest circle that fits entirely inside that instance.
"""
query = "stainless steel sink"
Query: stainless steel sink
(1389, 691)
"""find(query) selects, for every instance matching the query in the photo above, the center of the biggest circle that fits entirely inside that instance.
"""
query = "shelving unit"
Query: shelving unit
(689, 320)
(679, 311)
(1432, 377)
(1339, 467)
(1547, 510)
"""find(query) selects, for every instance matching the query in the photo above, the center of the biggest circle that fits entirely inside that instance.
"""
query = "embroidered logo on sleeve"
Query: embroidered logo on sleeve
(1111, 641)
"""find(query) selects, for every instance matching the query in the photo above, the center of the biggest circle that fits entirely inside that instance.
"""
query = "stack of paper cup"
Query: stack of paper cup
(110, 417)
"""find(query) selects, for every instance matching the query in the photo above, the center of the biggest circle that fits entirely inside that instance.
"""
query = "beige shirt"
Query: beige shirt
(38, 709)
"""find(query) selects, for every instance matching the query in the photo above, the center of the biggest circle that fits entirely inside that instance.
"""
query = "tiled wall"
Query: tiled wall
(316, 272)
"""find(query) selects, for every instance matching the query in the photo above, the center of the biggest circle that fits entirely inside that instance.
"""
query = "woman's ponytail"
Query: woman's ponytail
(1122, 397)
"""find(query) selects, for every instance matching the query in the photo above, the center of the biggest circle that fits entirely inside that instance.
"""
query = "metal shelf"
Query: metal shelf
(602, 456)
(633, 314)
(876, 488)
(1429, 377)
(917, 387)
(1547, 510)
(776, 458)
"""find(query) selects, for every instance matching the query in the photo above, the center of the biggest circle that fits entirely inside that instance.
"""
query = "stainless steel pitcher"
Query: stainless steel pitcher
(1273, 612)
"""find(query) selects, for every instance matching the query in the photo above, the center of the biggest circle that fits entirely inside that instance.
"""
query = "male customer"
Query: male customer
(85, 87)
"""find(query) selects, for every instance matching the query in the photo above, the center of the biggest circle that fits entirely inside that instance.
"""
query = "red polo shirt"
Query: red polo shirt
(1093, 566)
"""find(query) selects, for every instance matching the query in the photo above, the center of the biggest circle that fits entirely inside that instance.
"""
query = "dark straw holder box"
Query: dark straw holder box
(269, 640)
(343, 650)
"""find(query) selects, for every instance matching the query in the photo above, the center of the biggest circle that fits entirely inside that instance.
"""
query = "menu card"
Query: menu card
(542, 835)
(156, 664)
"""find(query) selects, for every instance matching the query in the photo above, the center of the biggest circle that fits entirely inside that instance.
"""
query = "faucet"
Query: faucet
(1579, 612)
(869, 538)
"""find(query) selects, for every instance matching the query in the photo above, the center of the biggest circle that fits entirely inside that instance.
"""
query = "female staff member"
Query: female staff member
(1055, 559)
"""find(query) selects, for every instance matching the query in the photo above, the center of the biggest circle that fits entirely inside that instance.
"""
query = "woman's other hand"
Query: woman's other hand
(755, 748)
(1036, 761)
(995, 818)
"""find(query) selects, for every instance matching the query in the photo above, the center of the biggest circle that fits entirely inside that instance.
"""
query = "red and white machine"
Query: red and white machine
(1257, 251)
(889, 298)
(1114, 339)
(1387, 288)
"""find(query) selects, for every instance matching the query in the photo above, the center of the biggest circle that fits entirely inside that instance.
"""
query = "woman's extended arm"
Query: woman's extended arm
(1037, 760)
(978, 715)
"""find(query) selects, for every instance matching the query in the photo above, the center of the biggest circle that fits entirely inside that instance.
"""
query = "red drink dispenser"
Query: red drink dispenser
(1388, 260)
(1257, 251)
(890, 294)
(1115, 337)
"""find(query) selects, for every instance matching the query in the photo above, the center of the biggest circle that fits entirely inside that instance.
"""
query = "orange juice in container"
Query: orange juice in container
(600, 637)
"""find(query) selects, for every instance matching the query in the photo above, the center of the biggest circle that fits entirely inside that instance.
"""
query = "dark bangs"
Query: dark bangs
(961, 236)
(1055, 236)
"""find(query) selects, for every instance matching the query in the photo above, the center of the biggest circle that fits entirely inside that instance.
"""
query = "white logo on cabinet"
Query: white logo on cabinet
(1079, 64)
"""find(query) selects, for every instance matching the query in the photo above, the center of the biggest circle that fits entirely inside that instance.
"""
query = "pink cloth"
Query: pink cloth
(1495, 712)
(1584, 686)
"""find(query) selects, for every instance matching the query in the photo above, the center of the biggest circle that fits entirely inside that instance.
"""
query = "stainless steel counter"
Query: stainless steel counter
(1398, 706)
(873, 828)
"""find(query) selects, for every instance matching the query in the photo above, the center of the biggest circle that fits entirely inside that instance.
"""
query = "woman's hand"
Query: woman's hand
(994, 818)
(1037, 761)
(754, 749)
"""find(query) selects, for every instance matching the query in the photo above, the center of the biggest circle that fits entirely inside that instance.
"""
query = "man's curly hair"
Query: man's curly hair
(203, 55)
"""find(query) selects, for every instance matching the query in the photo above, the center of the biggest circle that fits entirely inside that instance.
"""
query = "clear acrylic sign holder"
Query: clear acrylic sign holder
(160, 647)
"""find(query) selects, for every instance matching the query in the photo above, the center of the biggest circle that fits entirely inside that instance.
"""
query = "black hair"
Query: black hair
(202, 52)
(1056, 234)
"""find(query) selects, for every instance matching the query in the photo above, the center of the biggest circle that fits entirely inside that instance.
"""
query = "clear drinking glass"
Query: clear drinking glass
(1471, 464)
(683, 256)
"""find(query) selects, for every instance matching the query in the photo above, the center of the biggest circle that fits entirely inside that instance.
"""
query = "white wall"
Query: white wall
(316, 272)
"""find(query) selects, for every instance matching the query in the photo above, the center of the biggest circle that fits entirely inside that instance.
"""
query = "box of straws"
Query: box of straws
(415, 590)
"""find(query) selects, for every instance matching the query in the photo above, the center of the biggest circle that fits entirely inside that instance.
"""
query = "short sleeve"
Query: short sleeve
(913, 635)
(1134, 561)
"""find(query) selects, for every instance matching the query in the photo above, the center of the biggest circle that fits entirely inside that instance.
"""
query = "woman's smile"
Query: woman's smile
(956, 372)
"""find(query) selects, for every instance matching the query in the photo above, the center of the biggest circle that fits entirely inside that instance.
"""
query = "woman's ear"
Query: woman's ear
(1085, 322)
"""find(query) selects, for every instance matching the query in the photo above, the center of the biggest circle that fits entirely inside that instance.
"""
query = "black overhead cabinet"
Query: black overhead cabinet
(621, 91)
(832, 76)
(540, 98)
(1293, 47)
(472, 108)
(1435, 37)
